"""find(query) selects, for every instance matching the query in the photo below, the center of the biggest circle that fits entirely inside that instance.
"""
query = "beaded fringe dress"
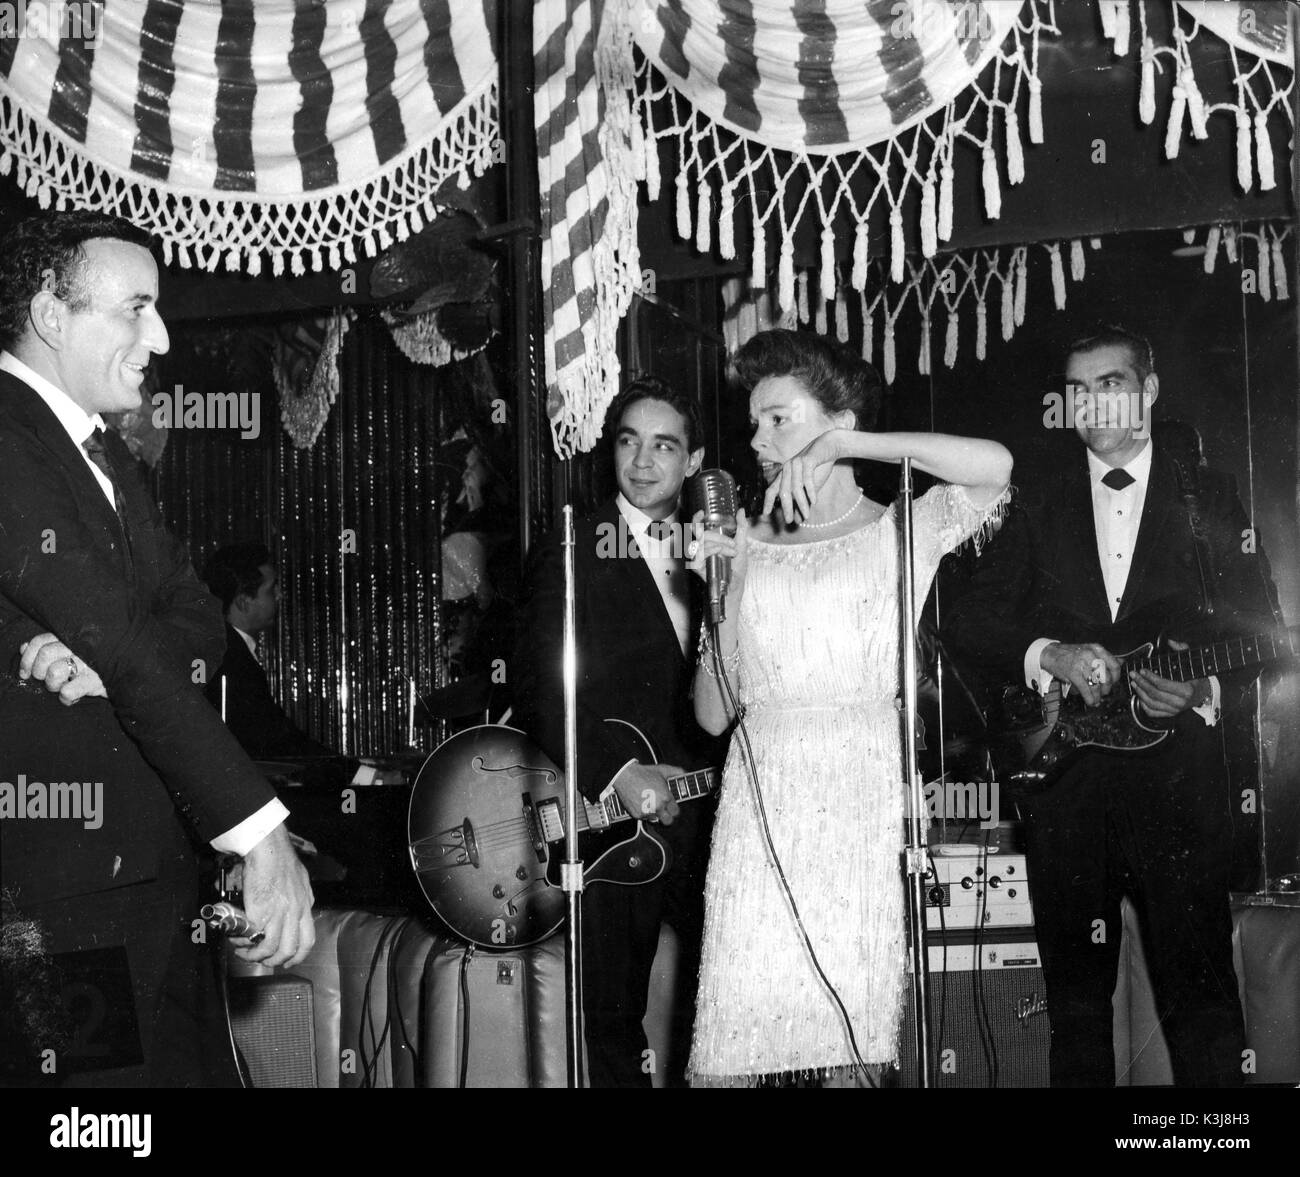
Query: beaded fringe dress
(818, 676)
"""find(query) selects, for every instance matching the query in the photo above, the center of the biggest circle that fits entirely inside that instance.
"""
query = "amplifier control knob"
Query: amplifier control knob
(995, 882)
(1011, 893)
(967, 883)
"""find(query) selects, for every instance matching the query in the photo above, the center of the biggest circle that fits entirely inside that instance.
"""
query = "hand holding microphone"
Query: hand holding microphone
(718, 551)
(230, 921)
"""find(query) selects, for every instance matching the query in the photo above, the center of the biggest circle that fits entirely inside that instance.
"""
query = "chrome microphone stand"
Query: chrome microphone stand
(571, 868)
(916, 849)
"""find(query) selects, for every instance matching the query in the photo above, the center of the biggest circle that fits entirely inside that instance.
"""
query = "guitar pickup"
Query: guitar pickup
(545, 824)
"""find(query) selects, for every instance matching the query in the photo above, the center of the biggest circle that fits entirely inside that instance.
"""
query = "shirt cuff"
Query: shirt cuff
(248, 833)
(1036, 678)
(609, 788)
(1210, 711)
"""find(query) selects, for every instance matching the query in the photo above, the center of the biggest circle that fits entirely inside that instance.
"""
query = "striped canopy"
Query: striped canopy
(291, 128)
(823, 76)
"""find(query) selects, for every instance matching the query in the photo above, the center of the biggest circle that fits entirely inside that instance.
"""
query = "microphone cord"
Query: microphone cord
(751, 768)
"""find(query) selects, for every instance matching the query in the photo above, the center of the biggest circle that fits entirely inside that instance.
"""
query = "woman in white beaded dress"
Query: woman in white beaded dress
(810, 642)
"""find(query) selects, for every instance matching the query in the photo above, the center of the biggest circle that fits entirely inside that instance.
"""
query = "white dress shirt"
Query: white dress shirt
(1116, 517)
(79, 426)
(664, 559)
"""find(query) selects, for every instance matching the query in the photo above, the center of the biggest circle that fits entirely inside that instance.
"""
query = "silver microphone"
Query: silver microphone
(714, 493)
(229, 920)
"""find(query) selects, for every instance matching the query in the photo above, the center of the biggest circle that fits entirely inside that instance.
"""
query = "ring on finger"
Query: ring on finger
(72, 668)
(692, 549)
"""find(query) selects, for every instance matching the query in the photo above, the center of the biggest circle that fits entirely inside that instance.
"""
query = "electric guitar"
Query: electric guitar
(486, 830)
(1033, 738)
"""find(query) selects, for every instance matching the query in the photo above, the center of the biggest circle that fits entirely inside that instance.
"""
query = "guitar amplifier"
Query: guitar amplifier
(976, 890)
(988, 1016)
(272, 1021)
(494, 1019)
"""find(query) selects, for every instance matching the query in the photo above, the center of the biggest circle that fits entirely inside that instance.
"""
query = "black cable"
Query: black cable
(752, 768)
(366, 1020)
(943, 941)
(220, 964)
(464, 1006)
(395, 999)
(988, 1042)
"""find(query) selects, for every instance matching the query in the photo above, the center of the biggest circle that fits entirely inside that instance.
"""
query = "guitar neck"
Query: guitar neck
(1231, 654)
(686, 787)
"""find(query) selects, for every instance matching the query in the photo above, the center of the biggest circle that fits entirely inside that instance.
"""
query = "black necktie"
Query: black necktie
(98, 453)
(1118, 479)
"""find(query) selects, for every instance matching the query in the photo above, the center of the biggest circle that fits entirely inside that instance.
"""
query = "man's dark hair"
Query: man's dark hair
(1113, 335)
(53, 244)
(235, 569)
(837, 377)
(652, 388)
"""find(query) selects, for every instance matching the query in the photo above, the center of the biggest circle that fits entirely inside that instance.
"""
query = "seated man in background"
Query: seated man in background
(245, 579)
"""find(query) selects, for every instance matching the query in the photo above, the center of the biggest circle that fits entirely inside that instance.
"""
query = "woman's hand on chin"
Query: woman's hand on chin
(801, 479)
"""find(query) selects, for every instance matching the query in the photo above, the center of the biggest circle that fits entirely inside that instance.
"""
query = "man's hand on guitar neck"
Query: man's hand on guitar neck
(1165, 697)
(1090, 669)
(643, 789)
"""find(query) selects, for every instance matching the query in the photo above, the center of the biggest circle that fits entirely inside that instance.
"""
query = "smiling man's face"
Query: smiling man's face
(105, 346)
(652, 456)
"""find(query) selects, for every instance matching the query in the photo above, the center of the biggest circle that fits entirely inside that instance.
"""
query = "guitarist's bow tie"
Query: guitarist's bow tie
(1118, 479)
(660, 529)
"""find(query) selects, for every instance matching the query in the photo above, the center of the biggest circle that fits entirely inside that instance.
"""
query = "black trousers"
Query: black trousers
(620, 932)
(144, 995)
(1156, 828)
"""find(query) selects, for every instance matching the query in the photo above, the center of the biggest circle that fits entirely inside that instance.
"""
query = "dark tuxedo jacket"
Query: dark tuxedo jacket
(629, 663)
(1041, 576)
(252, 714)
(141, 619)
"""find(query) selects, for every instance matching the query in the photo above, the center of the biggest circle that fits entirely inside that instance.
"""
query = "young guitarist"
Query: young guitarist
(1089, 566)
(638, 611)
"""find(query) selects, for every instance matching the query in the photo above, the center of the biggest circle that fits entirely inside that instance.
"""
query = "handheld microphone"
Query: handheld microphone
(714, 493)
(228, 919)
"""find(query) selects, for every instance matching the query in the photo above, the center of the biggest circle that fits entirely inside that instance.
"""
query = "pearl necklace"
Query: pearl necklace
(838, 519)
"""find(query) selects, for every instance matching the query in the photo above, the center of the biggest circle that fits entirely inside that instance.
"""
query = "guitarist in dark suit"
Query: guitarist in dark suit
(638, 612)
(112, 764)
(1091, 564)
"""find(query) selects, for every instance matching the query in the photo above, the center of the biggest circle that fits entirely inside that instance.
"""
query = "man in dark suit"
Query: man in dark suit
(246, 580)
(111, 760)
(637, 615)
(1091, 564)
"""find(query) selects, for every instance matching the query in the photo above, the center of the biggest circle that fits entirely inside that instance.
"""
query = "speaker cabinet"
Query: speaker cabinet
(272, 1021)
(494, 1019)
(988, 1017)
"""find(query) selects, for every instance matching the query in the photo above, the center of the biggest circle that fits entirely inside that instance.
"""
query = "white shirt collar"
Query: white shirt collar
(637, 519)
(1139, 468)
(248, 640)
(74, 419)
